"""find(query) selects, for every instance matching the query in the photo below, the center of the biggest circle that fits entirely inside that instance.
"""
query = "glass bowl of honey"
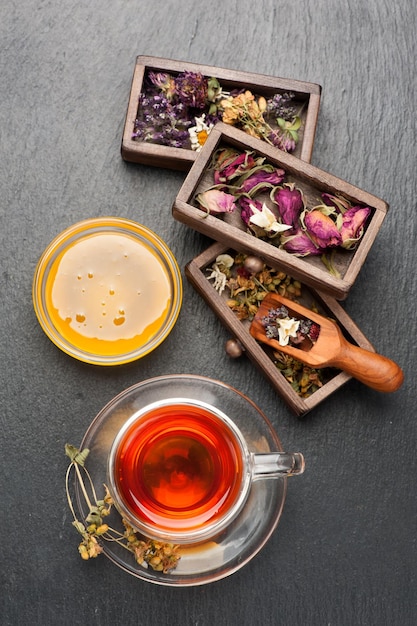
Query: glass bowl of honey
(107, 291)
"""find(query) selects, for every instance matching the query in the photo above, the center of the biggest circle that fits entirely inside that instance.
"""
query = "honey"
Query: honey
(108, 293)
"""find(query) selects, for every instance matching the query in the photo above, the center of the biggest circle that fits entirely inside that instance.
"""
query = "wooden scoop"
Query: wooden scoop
(330, 349)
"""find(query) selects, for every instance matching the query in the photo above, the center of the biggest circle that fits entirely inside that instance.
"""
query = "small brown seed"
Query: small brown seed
(234, 348)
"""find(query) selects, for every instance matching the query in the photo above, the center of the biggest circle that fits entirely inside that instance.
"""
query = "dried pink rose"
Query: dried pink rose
(322, 229)
(216, 201)
(230, 165)
(338, 202)
(353, 225)
(290, 204)
(264, 178)
(300, 244)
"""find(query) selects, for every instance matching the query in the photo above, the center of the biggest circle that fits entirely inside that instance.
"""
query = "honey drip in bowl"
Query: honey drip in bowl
(108, 294)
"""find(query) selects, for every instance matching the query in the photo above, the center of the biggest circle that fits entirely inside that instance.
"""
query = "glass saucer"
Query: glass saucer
(247, 534)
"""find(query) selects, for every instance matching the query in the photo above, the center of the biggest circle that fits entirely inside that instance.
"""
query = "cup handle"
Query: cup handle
(276, 464)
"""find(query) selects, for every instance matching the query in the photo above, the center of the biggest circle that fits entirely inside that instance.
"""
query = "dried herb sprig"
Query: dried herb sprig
(160, 556)
(303, 379)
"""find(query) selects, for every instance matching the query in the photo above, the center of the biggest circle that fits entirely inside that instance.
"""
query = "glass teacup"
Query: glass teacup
(180, 470)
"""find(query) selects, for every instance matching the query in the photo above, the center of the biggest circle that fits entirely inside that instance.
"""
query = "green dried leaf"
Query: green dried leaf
(76, 455)
(79, 526)
(296, 123)
(94, 517)
(328, 262)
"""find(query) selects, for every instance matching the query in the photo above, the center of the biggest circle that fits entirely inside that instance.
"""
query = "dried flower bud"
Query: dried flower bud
(290, 204)
(353, 225)
(164, 82)
(213, 89)
(82, 549)
(322, 229)
(216, 201)
(191, 88)
(262, 104)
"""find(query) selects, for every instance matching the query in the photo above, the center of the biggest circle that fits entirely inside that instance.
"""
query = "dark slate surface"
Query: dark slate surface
(344, 552)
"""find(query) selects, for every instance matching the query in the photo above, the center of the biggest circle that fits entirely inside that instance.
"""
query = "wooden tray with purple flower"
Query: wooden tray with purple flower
(173, 105)
(233, 285)
(257, 199)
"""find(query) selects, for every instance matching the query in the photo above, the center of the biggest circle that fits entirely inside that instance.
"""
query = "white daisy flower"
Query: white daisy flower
(199, 133)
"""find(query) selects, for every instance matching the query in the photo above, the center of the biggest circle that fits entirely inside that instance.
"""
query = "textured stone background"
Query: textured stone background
(344, 552)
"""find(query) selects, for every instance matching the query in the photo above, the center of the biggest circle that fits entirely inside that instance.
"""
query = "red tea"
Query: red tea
(178, 468)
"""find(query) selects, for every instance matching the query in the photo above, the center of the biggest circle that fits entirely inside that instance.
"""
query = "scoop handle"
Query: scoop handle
(372, 369)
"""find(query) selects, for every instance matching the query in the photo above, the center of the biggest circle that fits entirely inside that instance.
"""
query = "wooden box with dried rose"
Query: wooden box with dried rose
(173, 106)
(233, 285)
(296, 217)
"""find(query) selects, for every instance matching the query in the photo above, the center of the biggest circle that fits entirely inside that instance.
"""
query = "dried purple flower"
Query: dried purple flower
(164, 82)
(191, 88)
(160, 121)
(279, 106)
(282, 141)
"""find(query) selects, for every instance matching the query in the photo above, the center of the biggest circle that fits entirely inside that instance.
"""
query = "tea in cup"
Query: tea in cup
(180, 470)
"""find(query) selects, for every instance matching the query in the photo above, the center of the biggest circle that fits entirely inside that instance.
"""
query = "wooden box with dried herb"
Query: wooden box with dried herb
(173, 106)
(234, 284)
(299, 219)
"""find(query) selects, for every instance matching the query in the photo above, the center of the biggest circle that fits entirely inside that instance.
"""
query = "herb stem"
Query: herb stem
(90, 480)
(83, 489)
(258, 282)
(70, 504)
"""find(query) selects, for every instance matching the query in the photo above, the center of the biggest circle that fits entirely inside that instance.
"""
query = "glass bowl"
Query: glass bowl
(247, 533)
(107, 291)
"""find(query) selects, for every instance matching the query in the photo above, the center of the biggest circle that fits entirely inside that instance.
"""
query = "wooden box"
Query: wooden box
(197, 272)
(306, 97)
(229, 228)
